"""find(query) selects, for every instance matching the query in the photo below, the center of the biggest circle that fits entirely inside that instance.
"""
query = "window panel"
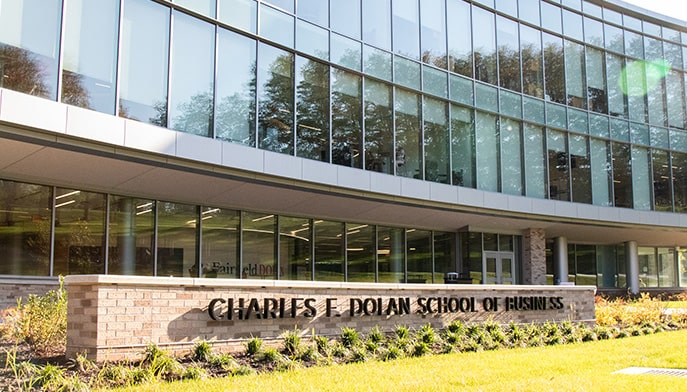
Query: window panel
(580, 169)
(235, 104)
(656, 91)
(193, 69)
(444, 255)
(433, 21)
(312, 92)
(345, 17)
(572, 25)
(391, 254)
(593, 32)
(613, 37)
(377, 63)
(220, 238)
(531, 52)
(459, 33)
(622, 175)
(25, 225)
(143, 62)
(487, 152)
(313, 40)
(575, 76)
(80, 234)
(176, 240)
(275, 99)
(678, 163)
(666, 267)
(205, 7)
(131, 236)
(617, 106)
(648, 270)
(90, 54)
(407, 73)
(509, 54)
(242, 14)
(436, 134)
(596, 81)
(419, 250)
(551, 17)
(407, 107)
(347, 134)
(286, 5)
(641, 179)
(316, 11)
(485, 46)
(258, 244)
(276, 26)
(529, 11)
(329, 251)
(510, 141)
(634, 44)
(535, 169)
(294, 248)
(379, 136)
(360, 252)
(675, 98)
(346, 52)
(29, 46)
(463, 146)
(377, 23)
(559, 166)
(554, 65)
(635, 90)
(434, 81)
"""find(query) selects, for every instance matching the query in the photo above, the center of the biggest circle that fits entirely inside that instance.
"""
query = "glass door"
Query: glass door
(497, 267)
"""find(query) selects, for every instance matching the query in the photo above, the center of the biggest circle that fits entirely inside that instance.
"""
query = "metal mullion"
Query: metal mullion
(312, 248)
(431, 249)
(345, 251)
(239, 241)
(199, 241)
(155, 235)
(213, 133)
(405, 255)
(277, 240)
(376, 252)
(118, 58)
(60, 56)
(53, 213)
(106, 251)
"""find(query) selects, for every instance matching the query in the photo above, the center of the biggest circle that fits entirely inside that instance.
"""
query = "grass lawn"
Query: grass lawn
(578, 367)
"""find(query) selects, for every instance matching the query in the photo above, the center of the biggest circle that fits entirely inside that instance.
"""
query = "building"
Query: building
(529, 142)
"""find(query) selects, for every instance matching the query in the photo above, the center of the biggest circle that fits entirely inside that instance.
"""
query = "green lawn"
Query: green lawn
(579, 367)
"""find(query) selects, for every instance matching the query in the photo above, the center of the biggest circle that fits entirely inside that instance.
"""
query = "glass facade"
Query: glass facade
(528, 98)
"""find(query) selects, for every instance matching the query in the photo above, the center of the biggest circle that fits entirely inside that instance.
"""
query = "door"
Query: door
(498, 267)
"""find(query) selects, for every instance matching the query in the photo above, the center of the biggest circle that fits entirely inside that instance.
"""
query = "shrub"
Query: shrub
(322, 343)
(253, 345)
(224, 361)
(161, 364)
(194, 372)
(292, 342)
(402, 332)
(426, 334)
(349, 337)
(270, 355)
(420, 348)
(376, 335)
(359, 354)
(391, 352)
(456, 326)
(202, 351)
(242, 371)
(40, 322)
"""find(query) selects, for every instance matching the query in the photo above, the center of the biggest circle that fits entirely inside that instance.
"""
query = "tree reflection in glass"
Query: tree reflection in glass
(275, 99)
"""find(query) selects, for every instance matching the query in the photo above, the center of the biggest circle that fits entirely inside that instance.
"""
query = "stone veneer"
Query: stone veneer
(12, 289)
(115, 317)
(534, 256)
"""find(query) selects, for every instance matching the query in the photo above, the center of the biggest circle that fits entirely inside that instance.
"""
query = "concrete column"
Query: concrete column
(560, 260)
(632, 266)
(534, 257)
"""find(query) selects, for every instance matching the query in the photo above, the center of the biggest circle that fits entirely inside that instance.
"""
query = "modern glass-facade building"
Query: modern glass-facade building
(511, 142)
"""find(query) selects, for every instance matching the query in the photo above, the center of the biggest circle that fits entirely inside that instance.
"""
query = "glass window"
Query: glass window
(193, 73)
(276, 26)
(617, 106)
(313, 40)
(580, 169)
(598, 125)
(634, 44)
(25, 225)
(533, 109)
(606, 267)
(286, 5)
(535, 169)
(672, 54)
(510, 140)
(659, 137)
(346, 52)
(242, 14)
(509, 7)
(510, 103)
(551, 17)
(653, 49)
(596, 81)
(379, 136)
(585, 258)
(408, 134)
(433, 20)
(258, 244)
(29, 46)
(486, 97)
(487, 152)
(463, 146)
(90, 54)
(622, 175)
(436, 134)
(407, 73)
(613, 37)
(559, 166)
(377, 23)
(131, 236)
(176, 239)
(613, 16)
(434, 81)
(79, 232)
(601, 172)
(312, 105)
(419, 251)
(572, 25)
(575, 75)
(678, 140)
(593, 32)
(220, 238)
(635, 90)
(205, 7)
(484, 46)
(461, 89)
(143, 62)
(656, 91)
(529, 11)
(531, 51)
(591, 9)
(345, 17)
(347, 134)
(275, 99)
(620, 130)
(316, 11)
(631, 22)
(675, 99)
(666, 267)
(235, 104)
(678, 162)
(639, 133)
(651, 28)
(329, 251)
(578, 121)
(360, 252)
(406, 25)
(554, 68)
(391, 254)
(444, 255)
(648, 274)
(509, 53)
(294, 249)
(377, 63)
(460, 37)
(641, 178)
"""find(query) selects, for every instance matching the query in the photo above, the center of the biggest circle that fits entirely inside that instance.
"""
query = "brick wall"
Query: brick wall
(11, 289)
(115, 317)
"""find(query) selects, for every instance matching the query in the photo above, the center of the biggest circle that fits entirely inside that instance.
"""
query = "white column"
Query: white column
(560, 260)
(632, 266)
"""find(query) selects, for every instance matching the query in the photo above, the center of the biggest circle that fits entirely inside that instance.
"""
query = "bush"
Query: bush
(349, 337)
(426, 334)
(270, 355)
(292, 342)
(40, 322)
(202, 351)
(376, 335)
(253, 345)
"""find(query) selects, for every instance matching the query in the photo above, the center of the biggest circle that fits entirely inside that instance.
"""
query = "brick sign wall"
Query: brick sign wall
(115, 317)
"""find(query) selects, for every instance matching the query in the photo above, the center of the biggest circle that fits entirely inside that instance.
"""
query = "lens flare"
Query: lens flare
(640, 77)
